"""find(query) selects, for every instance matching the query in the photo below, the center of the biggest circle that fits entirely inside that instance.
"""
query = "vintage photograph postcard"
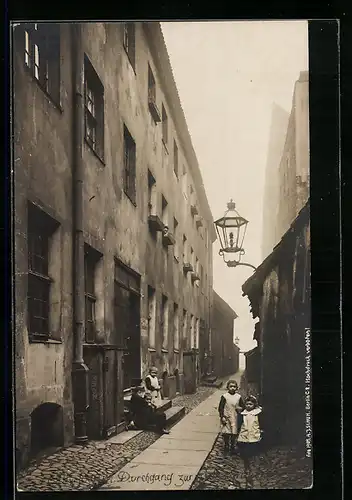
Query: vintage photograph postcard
(162, 256)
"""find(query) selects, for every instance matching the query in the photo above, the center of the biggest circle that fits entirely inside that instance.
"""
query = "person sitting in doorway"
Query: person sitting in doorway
(144, 412)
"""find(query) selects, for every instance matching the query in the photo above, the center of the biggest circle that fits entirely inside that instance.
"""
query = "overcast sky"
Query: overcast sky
(228, 75)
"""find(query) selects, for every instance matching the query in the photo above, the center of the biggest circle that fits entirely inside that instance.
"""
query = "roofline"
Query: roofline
(235, 315)
(162, 61)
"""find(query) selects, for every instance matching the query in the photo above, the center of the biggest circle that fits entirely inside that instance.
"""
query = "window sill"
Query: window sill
(151, 349)
(164, 350)
(45, 92)
(177, 259)
(177, 351)
(129, 197)
(42, 341)
(94, 152)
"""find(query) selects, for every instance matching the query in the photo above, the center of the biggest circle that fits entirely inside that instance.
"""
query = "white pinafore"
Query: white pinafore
(250, 430)
(230, 413)
(156, 395)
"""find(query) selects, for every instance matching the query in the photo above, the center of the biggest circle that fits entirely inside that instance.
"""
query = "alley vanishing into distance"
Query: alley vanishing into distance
(118, 234)
(190, 457)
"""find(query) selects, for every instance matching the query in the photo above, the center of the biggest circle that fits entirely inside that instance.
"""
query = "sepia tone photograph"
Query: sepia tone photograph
(162, 301)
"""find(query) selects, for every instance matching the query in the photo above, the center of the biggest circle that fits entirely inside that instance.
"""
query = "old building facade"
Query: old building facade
(279, 290)
(279, 294)
(113, 231)
(225, 354)
(287, 173)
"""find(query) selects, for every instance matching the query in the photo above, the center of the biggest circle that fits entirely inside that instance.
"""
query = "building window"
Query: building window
(197, 271)
(40, 230)
(91, 258)
(151, 86)
(42, 56)
(165, 321)
(184, 324)
(176, 328)
(164, 211)
(192, 332)
(176, 246)
(94, 109)
(192, 258)
(176, 159)
(185, 249)
(152, 194)
(153, 108)
(164, 122)
(151, 316)
(129, 165)
(202, 278)
(196, 334)
(129, 42)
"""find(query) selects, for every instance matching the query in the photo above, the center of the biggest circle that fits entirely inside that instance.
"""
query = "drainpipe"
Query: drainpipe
(79, 369)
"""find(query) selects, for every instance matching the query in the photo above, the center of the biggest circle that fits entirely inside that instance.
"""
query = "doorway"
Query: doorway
(127, 322)
(47, 429)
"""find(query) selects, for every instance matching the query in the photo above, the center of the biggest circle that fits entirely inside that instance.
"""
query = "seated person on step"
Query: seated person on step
(144, 412)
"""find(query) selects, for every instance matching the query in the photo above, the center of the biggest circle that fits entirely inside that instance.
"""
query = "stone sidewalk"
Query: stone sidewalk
(83, 468)
(173, 461)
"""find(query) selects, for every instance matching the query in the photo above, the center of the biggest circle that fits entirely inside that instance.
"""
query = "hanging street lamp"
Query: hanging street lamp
(231, 230)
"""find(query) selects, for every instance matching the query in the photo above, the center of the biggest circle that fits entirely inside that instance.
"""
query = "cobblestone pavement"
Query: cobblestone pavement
(277, 468)
(191, 401)
(88, 467)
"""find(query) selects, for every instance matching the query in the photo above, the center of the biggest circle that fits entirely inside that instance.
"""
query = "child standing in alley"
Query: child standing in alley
(152, 385)
(230, 406)
(250, 425)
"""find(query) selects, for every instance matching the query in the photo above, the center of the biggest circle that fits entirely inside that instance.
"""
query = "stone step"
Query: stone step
(165, 404)
(174, 414)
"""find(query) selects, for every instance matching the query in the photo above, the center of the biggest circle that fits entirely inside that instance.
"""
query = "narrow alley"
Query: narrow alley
(190, 457)
(137, 297)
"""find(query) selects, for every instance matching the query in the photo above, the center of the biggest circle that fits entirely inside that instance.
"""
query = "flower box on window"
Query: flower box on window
(168, 238)
(155, 223)
(195, 277)
(199, 222)
(194, 210)
(187, 267)
(153, 108)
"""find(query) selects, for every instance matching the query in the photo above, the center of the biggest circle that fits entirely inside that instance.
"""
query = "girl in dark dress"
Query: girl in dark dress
(144, 413)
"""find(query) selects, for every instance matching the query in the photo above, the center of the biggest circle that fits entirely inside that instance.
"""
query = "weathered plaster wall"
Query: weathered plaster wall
(42, 165)
(222, 331)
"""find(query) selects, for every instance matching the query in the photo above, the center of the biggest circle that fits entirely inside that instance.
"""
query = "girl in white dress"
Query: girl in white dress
(230, 406)
(152, 385)
(250, 434)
